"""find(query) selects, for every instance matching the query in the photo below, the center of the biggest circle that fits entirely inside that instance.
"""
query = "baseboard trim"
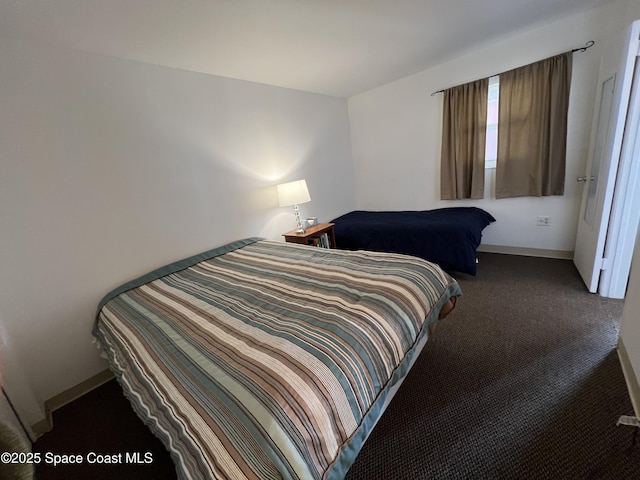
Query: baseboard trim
(66, 397)
(632, 380)
(527, 252)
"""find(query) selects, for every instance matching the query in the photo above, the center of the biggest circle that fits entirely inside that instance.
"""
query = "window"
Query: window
(491, 148)
(533, 132)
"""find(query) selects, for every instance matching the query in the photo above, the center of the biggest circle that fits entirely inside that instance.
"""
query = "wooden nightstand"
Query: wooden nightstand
(313, 235)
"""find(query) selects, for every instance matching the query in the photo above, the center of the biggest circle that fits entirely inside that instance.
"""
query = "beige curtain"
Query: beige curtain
(464, 126)
(532, 128)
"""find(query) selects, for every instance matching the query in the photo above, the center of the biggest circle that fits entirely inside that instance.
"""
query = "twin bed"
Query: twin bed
(447, 236)
(270, 360)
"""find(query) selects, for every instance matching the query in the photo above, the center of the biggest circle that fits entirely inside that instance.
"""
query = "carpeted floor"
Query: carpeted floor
(521, 381)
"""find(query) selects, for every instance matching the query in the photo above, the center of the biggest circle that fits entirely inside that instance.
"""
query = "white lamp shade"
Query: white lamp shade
(293, 193)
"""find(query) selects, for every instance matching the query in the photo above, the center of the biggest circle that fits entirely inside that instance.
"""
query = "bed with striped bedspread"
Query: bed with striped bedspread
(269, 360)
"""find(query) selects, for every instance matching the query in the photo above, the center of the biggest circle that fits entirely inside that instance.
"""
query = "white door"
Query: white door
(594, 217)
(602, 167)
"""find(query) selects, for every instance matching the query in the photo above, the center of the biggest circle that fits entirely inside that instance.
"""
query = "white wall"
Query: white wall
(396, 134)
(110, 168)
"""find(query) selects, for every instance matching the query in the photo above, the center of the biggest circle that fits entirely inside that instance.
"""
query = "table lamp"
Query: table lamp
(294, 193)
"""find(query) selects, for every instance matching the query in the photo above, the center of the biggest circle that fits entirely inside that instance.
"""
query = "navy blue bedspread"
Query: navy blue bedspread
(446, 236)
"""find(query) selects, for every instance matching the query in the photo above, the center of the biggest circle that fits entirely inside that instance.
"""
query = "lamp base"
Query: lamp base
(300, 228)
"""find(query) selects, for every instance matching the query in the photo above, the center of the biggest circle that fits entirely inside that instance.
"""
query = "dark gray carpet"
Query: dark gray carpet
(521, 381)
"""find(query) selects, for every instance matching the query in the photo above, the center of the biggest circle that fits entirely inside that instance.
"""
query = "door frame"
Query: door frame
(604, 278)
(625, 209)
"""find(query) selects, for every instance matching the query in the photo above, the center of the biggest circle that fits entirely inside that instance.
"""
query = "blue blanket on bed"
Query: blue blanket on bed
(446, 236)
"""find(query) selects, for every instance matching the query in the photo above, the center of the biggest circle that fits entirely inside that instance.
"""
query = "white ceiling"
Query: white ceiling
(333, 47)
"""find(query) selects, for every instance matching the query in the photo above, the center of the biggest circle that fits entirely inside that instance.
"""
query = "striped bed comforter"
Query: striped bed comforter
(268, 360)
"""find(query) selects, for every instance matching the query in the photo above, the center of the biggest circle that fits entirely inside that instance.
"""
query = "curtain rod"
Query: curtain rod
(589, 44)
